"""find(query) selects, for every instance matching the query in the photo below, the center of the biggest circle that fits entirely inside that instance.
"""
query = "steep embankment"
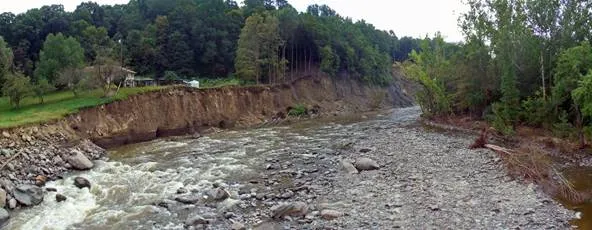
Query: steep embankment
(185, 110)
(36, 153)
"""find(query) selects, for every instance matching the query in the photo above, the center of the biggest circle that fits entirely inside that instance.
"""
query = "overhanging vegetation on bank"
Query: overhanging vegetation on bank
(522, 63)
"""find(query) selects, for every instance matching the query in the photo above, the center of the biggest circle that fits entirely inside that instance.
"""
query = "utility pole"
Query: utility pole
(121, 52)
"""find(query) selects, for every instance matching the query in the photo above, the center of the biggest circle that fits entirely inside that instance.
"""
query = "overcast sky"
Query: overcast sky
(414, 18)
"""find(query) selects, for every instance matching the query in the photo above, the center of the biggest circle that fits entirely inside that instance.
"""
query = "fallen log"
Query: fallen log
(498, 149)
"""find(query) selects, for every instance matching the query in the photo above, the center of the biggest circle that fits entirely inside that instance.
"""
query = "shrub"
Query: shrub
(17, 87)
(297, 111)
(535, 111)
(500, 120)
(377, 99)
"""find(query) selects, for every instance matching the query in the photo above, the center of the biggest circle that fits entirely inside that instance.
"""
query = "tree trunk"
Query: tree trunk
(580, 127)
(304, 64)
(292, 60)
(309, 60)
(543, 76)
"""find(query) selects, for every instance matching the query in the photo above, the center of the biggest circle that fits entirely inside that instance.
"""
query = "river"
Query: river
(419, 183)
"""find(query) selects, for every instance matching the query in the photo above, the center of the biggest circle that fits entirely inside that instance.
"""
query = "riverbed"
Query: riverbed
(426, 180)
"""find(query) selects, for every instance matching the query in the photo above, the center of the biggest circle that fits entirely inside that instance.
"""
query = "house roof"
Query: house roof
(91, 68)
(143, 79)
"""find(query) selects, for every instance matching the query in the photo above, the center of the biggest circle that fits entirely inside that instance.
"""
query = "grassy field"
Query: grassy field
(57, 105)
(216, 83)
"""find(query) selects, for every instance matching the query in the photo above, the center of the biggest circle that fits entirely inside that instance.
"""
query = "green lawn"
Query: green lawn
(220, 82)
(57, 105)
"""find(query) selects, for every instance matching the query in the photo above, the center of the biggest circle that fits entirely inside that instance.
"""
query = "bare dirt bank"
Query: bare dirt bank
(186, 110)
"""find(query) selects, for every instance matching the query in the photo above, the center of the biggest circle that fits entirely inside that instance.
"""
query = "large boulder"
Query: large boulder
(366, 164)
(79, 161)
(2, 198)
(4, 216)
(81, 182)
(28, 195)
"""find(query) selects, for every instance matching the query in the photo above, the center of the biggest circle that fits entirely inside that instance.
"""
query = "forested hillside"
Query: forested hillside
(524, 62)
(263, 41)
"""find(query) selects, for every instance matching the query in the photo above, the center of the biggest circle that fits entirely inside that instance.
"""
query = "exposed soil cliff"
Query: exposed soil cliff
(186, 110)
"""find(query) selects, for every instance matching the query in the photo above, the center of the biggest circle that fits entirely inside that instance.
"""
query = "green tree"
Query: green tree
(72, 78)
(6, 58)
(95, 40)
(430, 69)
(329, 61)
(249, 52)
(572, 66)
(41, 88)
(16, 87)
(59, 52)
(583, 100)
(258, 49)
(105, 73)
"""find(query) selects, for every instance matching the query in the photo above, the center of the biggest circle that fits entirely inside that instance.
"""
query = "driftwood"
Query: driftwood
(9, 160)
(498, 149)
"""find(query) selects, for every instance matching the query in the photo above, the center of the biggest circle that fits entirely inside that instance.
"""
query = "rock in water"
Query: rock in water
(60, 198)
(2, 198)
(189, 199)
(12, 203)
(366, 164)
(79, 161)
(365, 150)
(328, 214)
(219, 194)
(195, 220)
(81, 182)
(238, 226)
(4, 216)
(182, 190)
(289, 209)
(349, 167)
(40, 180)
(28, 195)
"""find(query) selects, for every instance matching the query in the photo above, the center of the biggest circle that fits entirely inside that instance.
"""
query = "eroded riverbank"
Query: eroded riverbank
(425, 180)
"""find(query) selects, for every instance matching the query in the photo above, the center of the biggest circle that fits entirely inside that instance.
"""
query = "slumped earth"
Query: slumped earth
(239, 179)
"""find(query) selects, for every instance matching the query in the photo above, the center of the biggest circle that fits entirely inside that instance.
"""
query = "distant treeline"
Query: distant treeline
(262, 40)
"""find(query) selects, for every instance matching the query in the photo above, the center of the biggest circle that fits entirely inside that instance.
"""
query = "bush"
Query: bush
(535, 111)
(17, 87)
(500, 119)
(377, 99)
(564, 128)
(297, 111)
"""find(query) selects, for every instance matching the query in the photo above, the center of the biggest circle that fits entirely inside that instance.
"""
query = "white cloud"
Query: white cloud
(415, 18)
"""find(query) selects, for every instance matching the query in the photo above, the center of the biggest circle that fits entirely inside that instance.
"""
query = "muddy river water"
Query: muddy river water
(139, 186)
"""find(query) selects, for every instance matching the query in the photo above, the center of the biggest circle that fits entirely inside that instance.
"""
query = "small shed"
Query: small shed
(194, 84)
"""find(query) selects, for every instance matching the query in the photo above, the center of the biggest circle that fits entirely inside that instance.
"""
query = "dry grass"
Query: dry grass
(532, 163)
